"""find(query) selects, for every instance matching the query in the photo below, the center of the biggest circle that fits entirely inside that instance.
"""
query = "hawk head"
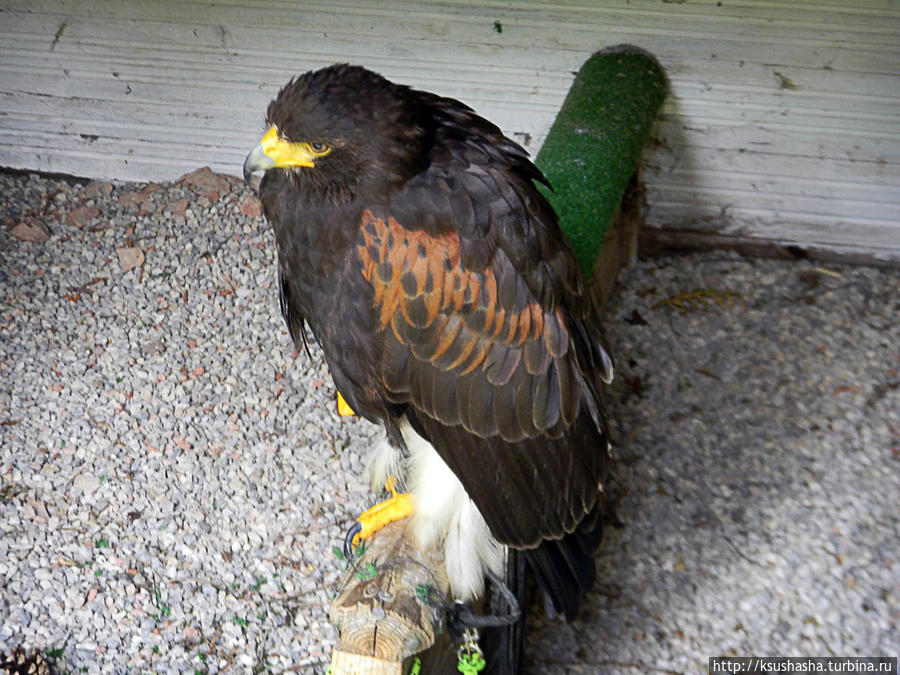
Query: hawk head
(341, 129)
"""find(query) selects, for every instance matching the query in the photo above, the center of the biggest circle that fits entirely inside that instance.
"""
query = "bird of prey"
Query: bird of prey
(415, 247)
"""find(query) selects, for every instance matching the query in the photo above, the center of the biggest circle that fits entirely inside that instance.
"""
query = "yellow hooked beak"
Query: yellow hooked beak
(273, 152)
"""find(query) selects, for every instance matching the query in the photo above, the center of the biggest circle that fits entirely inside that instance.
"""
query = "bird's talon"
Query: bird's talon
(352, 533)
(398, 506)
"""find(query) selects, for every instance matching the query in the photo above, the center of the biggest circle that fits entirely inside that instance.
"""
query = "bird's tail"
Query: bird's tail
(564, 570)
(503, 647)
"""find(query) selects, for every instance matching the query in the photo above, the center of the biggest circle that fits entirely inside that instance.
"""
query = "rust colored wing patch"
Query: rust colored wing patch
(479, 333)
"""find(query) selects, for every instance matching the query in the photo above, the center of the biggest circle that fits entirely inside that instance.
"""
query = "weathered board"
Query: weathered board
(782, 123)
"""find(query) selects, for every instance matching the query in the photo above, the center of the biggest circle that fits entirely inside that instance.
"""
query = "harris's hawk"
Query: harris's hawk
(413, 243)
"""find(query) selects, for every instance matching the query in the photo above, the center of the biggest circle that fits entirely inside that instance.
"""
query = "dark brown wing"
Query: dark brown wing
(491, 378)
(470, 348)
(485, 332)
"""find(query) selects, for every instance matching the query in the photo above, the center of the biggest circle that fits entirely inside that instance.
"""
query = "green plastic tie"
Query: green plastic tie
(470, 663)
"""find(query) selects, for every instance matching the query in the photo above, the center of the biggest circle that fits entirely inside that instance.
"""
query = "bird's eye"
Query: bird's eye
(319, 148)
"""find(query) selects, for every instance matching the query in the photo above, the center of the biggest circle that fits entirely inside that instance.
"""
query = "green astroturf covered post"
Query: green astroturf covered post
(594, 146)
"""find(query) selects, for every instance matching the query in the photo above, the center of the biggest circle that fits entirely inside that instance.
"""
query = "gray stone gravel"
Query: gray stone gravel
(756, 416)
(173, 477)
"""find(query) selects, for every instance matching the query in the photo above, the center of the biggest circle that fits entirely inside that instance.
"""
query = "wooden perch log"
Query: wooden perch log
(620, 243)
(387, 608)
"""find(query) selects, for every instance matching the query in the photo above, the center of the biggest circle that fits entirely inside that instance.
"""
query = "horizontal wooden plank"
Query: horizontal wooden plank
(728, 198)
(660, 163)
(658, 241)
(816, 144)
(782, 225)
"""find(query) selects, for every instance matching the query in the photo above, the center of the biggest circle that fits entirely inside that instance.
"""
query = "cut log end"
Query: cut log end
(389, 606)
(359, 664)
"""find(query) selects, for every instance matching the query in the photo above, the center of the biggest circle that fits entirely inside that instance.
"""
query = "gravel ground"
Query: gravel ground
(173, 477)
